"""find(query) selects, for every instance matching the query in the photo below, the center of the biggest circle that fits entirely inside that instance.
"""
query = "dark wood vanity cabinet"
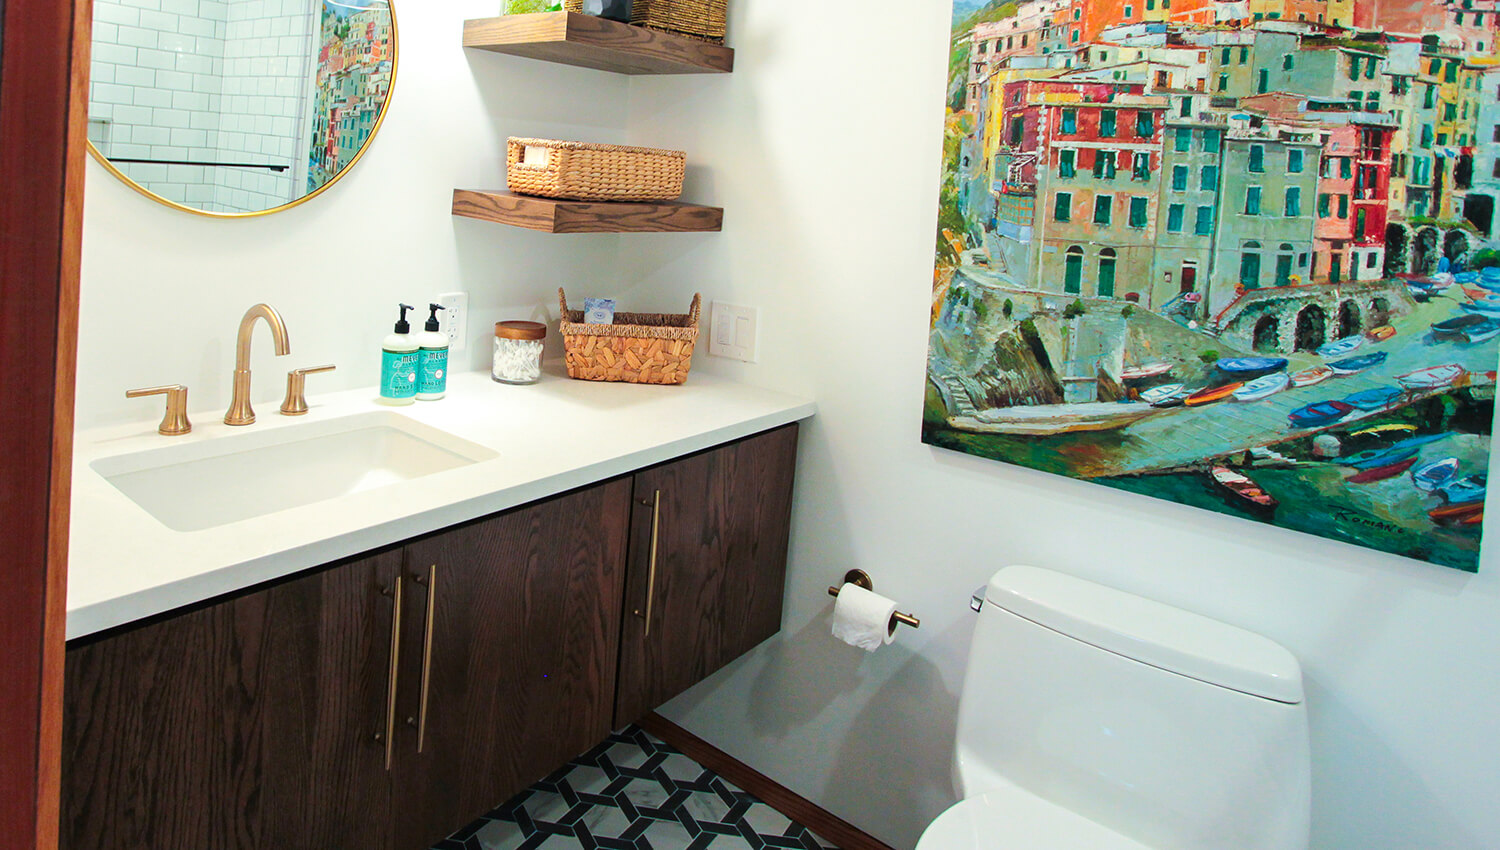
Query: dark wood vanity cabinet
(707, 566)
(513, 655)
(384, 701)
(247, 724)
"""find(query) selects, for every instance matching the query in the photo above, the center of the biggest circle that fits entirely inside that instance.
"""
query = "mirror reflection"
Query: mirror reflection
(238, 107)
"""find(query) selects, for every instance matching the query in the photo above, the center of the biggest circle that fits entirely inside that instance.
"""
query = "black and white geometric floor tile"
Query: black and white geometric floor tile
(633, 792)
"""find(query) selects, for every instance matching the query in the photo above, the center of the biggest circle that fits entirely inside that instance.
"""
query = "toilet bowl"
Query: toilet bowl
(1093, 718)
(1008, 817)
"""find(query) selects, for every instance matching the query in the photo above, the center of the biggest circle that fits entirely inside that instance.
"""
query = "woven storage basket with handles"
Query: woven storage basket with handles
(580, 171)
(642, 348)
(703, 19)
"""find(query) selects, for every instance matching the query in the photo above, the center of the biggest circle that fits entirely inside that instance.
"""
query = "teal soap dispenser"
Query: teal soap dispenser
(432, 359)
(398, 364)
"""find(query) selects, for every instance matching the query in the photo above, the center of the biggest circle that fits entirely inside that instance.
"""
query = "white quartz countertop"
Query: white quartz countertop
(549, 437)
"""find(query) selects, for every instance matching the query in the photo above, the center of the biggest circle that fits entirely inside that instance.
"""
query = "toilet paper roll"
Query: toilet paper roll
(862, 618)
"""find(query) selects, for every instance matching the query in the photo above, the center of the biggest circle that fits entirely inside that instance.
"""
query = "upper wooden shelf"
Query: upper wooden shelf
(593, 42)
(553, 216)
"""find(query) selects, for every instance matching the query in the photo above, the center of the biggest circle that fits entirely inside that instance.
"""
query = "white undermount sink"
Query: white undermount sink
(202, 484)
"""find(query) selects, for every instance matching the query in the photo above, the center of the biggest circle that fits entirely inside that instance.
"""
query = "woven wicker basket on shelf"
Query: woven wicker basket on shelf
(580, 171)
(703, 19)
(642, 348)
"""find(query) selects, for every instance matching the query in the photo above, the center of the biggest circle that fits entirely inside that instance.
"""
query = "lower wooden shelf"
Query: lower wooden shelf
(554, 216)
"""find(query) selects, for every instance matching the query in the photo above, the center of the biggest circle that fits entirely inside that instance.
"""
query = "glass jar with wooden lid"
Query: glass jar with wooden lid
(518, 352)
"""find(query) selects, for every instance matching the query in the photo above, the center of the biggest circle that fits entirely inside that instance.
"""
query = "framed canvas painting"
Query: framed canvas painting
(1240, 255)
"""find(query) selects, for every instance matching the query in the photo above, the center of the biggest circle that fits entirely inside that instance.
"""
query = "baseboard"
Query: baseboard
(777, 796)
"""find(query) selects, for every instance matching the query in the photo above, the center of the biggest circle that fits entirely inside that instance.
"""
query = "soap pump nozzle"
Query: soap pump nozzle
(432, 319)
(403, 326)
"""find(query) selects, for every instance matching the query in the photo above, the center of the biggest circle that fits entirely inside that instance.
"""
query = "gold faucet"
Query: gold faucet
(240, 412)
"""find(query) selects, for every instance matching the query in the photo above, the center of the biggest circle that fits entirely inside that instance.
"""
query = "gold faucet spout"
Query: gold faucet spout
(240, 411)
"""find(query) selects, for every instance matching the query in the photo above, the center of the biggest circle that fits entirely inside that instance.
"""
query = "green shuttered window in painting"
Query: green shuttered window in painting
(1073, 271)
(1107, 273)
(1174, 218)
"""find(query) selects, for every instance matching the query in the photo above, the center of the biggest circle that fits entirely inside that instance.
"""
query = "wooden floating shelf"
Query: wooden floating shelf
(593, 42)
(553, 216)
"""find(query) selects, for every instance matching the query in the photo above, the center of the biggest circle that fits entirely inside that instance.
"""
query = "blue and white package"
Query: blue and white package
(599, 311)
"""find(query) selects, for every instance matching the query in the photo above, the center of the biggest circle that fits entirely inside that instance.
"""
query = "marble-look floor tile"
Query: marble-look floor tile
(634, 792)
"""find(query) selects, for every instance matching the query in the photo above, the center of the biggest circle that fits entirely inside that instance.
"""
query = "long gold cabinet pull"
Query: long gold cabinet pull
(655, 504)
(426, 653)
(389, 737)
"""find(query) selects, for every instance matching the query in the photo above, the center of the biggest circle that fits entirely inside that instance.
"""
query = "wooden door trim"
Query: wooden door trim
(43, 123)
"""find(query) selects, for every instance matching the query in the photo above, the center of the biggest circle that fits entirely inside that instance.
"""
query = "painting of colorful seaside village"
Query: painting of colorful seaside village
(1241, 255)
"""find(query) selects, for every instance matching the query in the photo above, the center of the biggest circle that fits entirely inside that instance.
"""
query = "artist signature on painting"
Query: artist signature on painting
(1367, 521)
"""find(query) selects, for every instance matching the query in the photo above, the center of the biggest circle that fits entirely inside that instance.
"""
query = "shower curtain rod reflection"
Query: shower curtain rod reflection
(277, 168)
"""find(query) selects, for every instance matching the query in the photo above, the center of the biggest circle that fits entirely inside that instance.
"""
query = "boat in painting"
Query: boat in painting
(1147, 370)
(1455, 327)
(1357, 364)
(1384, 430)
(1166, 395)
(1372, 458)
(1308, 377)
(1380, 334)
(1434, 474)
(1432, 377)
(1424, 439)
(1340, 347)
(1246, 493)
(1319, 414)
(1460, 514)
(1263, 387)
(1487, 307)
(1209, 395)
(1250, 365)
(1470, 489)
(1374, 398)
(1381, 473)
(1480, 332)
(1048, 419)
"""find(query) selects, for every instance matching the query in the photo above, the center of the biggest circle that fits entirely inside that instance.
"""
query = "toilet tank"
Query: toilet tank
(1176, 730)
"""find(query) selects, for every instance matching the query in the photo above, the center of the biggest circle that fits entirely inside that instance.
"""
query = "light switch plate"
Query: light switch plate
(733, 331)
(454, 318)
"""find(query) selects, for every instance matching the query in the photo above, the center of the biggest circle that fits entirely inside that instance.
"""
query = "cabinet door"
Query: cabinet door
(248, 723)
(512, 669)
(707, 566)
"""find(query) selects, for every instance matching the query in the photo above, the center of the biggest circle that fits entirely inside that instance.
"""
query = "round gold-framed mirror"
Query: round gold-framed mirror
(238, 108)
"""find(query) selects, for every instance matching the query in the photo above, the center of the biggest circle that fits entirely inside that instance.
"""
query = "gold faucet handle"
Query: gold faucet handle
(175, 423)
(295, 403)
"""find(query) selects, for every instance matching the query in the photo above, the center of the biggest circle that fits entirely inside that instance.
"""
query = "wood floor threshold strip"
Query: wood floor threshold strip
(816, 818)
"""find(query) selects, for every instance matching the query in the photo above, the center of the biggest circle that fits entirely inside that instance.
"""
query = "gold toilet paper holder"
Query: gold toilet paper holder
(860, 578)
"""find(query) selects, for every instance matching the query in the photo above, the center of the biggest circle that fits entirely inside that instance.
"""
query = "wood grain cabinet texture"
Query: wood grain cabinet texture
(718, 522)
(333, 709)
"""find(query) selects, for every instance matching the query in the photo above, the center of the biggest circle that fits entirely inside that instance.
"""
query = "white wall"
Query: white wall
(163, 290)
(824, 149)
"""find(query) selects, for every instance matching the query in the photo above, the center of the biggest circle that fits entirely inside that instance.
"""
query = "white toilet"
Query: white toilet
(1092, 719)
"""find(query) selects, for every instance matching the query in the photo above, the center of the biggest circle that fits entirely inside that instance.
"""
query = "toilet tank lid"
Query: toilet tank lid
(1150, 632)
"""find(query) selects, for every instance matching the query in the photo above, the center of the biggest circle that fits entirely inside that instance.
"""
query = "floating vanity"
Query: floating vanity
(363, 627)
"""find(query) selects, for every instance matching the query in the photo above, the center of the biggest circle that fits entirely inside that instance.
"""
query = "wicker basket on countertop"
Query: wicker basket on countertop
(642, 348)
(581, 171)
(704, 19)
